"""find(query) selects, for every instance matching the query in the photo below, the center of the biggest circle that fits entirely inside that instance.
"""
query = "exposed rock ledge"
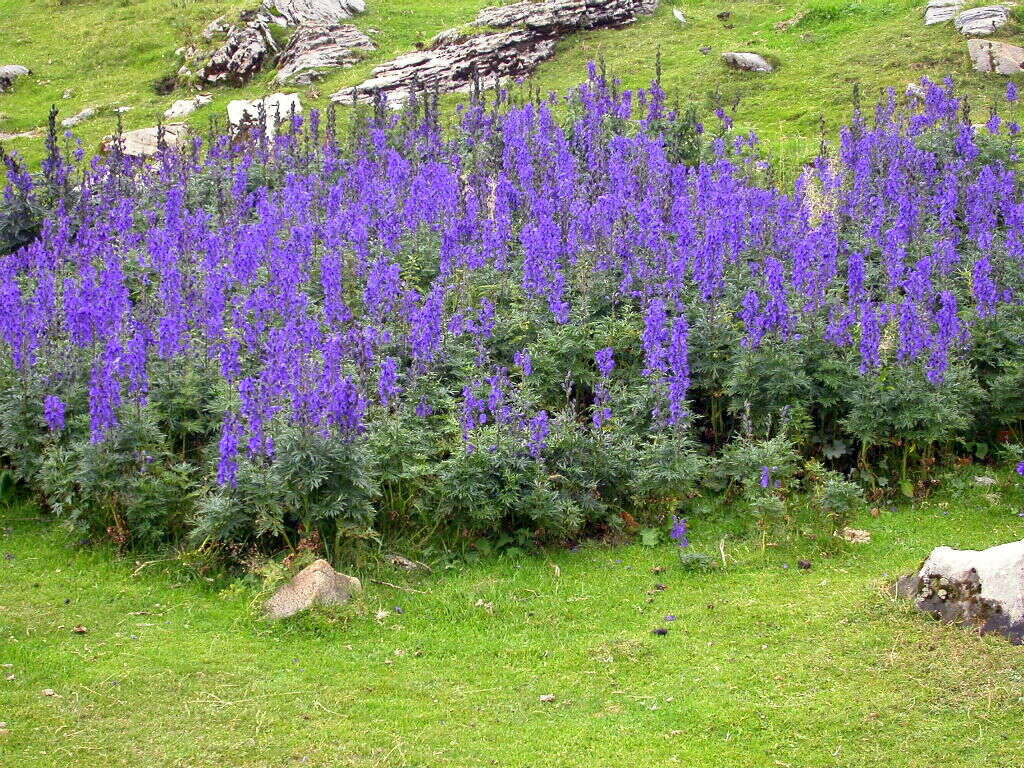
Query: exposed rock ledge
(502, 42)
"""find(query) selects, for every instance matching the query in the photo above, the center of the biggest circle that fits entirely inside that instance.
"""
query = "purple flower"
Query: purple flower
(523, 359)
(605, 359)
(678, 533)
(1020, 468)
(53, 410)
(766, 477)
(1011, 92)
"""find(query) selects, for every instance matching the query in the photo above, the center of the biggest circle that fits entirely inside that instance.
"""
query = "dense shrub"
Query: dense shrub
(552, 319)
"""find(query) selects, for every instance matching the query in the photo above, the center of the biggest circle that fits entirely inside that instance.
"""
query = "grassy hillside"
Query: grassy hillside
(764, 665)
(109, 53)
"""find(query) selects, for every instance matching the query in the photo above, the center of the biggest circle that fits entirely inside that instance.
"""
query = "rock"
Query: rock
(788, 24)
(990, 56)
(216, 28)
(185, 107)
(940, 11)
(145, 142)
(277, 108)
(855, 535)
(81, 117)
(502, 42)
(317, 584)
(243, 54)
(749, 62)
(983, 588)
(316, 47)
(680, 16)
(9, 73)
(913, 90)
(298, 12)
(982, 21)
(705, 49)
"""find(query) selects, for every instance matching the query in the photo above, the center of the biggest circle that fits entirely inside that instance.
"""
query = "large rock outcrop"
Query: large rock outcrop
(983, 588)
(317, 584)
(316, 47)
(502, 42)
(243, 54)
(295, 13)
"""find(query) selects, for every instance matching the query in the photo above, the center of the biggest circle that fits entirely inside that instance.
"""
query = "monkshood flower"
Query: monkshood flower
(524, 360)
(605, 359)
(766, 477)
(539, 430)
(53, 412)
(1020, 468)
(679, 532)
(1011, 92)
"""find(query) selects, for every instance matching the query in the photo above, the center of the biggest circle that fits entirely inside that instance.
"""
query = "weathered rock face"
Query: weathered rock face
(941, 11)
(316, 47)
(298, 12)
(984, 588)
(990, 56)
(317, 584)
(145, 142)
(982, 21)
(185, 107)
(9, 73)
(749, 62)
(502, 42)
(243, 54)
(276, 109)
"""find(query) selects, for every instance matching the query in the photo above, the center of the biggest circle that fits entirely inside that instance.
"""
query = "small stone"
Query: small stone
(855, 535)
(48, 692)
(660, 631)
(317, 584)
(81, 117)
(723, 15)
(804, 565)
(680, 16)
(705, 49)
(80, 630)
(748, 62)
(185, 107)
(547, 698)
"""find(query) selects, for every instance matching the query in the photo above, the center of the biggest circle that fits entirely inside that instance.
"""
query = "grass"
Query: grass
(109, 53)
(764, 666)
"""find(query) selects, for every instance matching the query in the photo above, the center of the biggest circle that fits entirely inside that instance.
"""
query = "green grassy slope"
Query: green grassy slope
(108, 53)
(764, 666)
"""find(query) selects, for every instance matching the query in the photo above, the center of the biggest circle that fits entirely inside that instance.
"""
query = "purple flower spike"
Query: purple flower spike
(53, 409)
(679, 532)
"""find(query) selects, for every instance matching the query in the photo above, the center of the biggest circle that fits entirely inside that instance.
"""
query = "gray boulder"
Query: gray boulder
(503, 42)
(991, 56)
(316, 47)
(9, 73)
(294, 13)
(276, 109)
(941, 11)
(983, 588)
(185, 107)
(317, 584)
(981, 21)
(86, 114)
(145, 142)
(749, 62)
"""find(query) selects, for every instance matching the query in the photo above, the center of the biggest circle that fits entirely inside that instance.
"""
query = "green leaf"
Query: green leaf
(907, 488)
(650, 537)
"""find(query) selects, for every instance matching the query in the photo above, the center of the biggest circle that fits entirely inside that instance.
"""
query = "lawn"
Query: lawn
(109, 53)
(765, 665)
